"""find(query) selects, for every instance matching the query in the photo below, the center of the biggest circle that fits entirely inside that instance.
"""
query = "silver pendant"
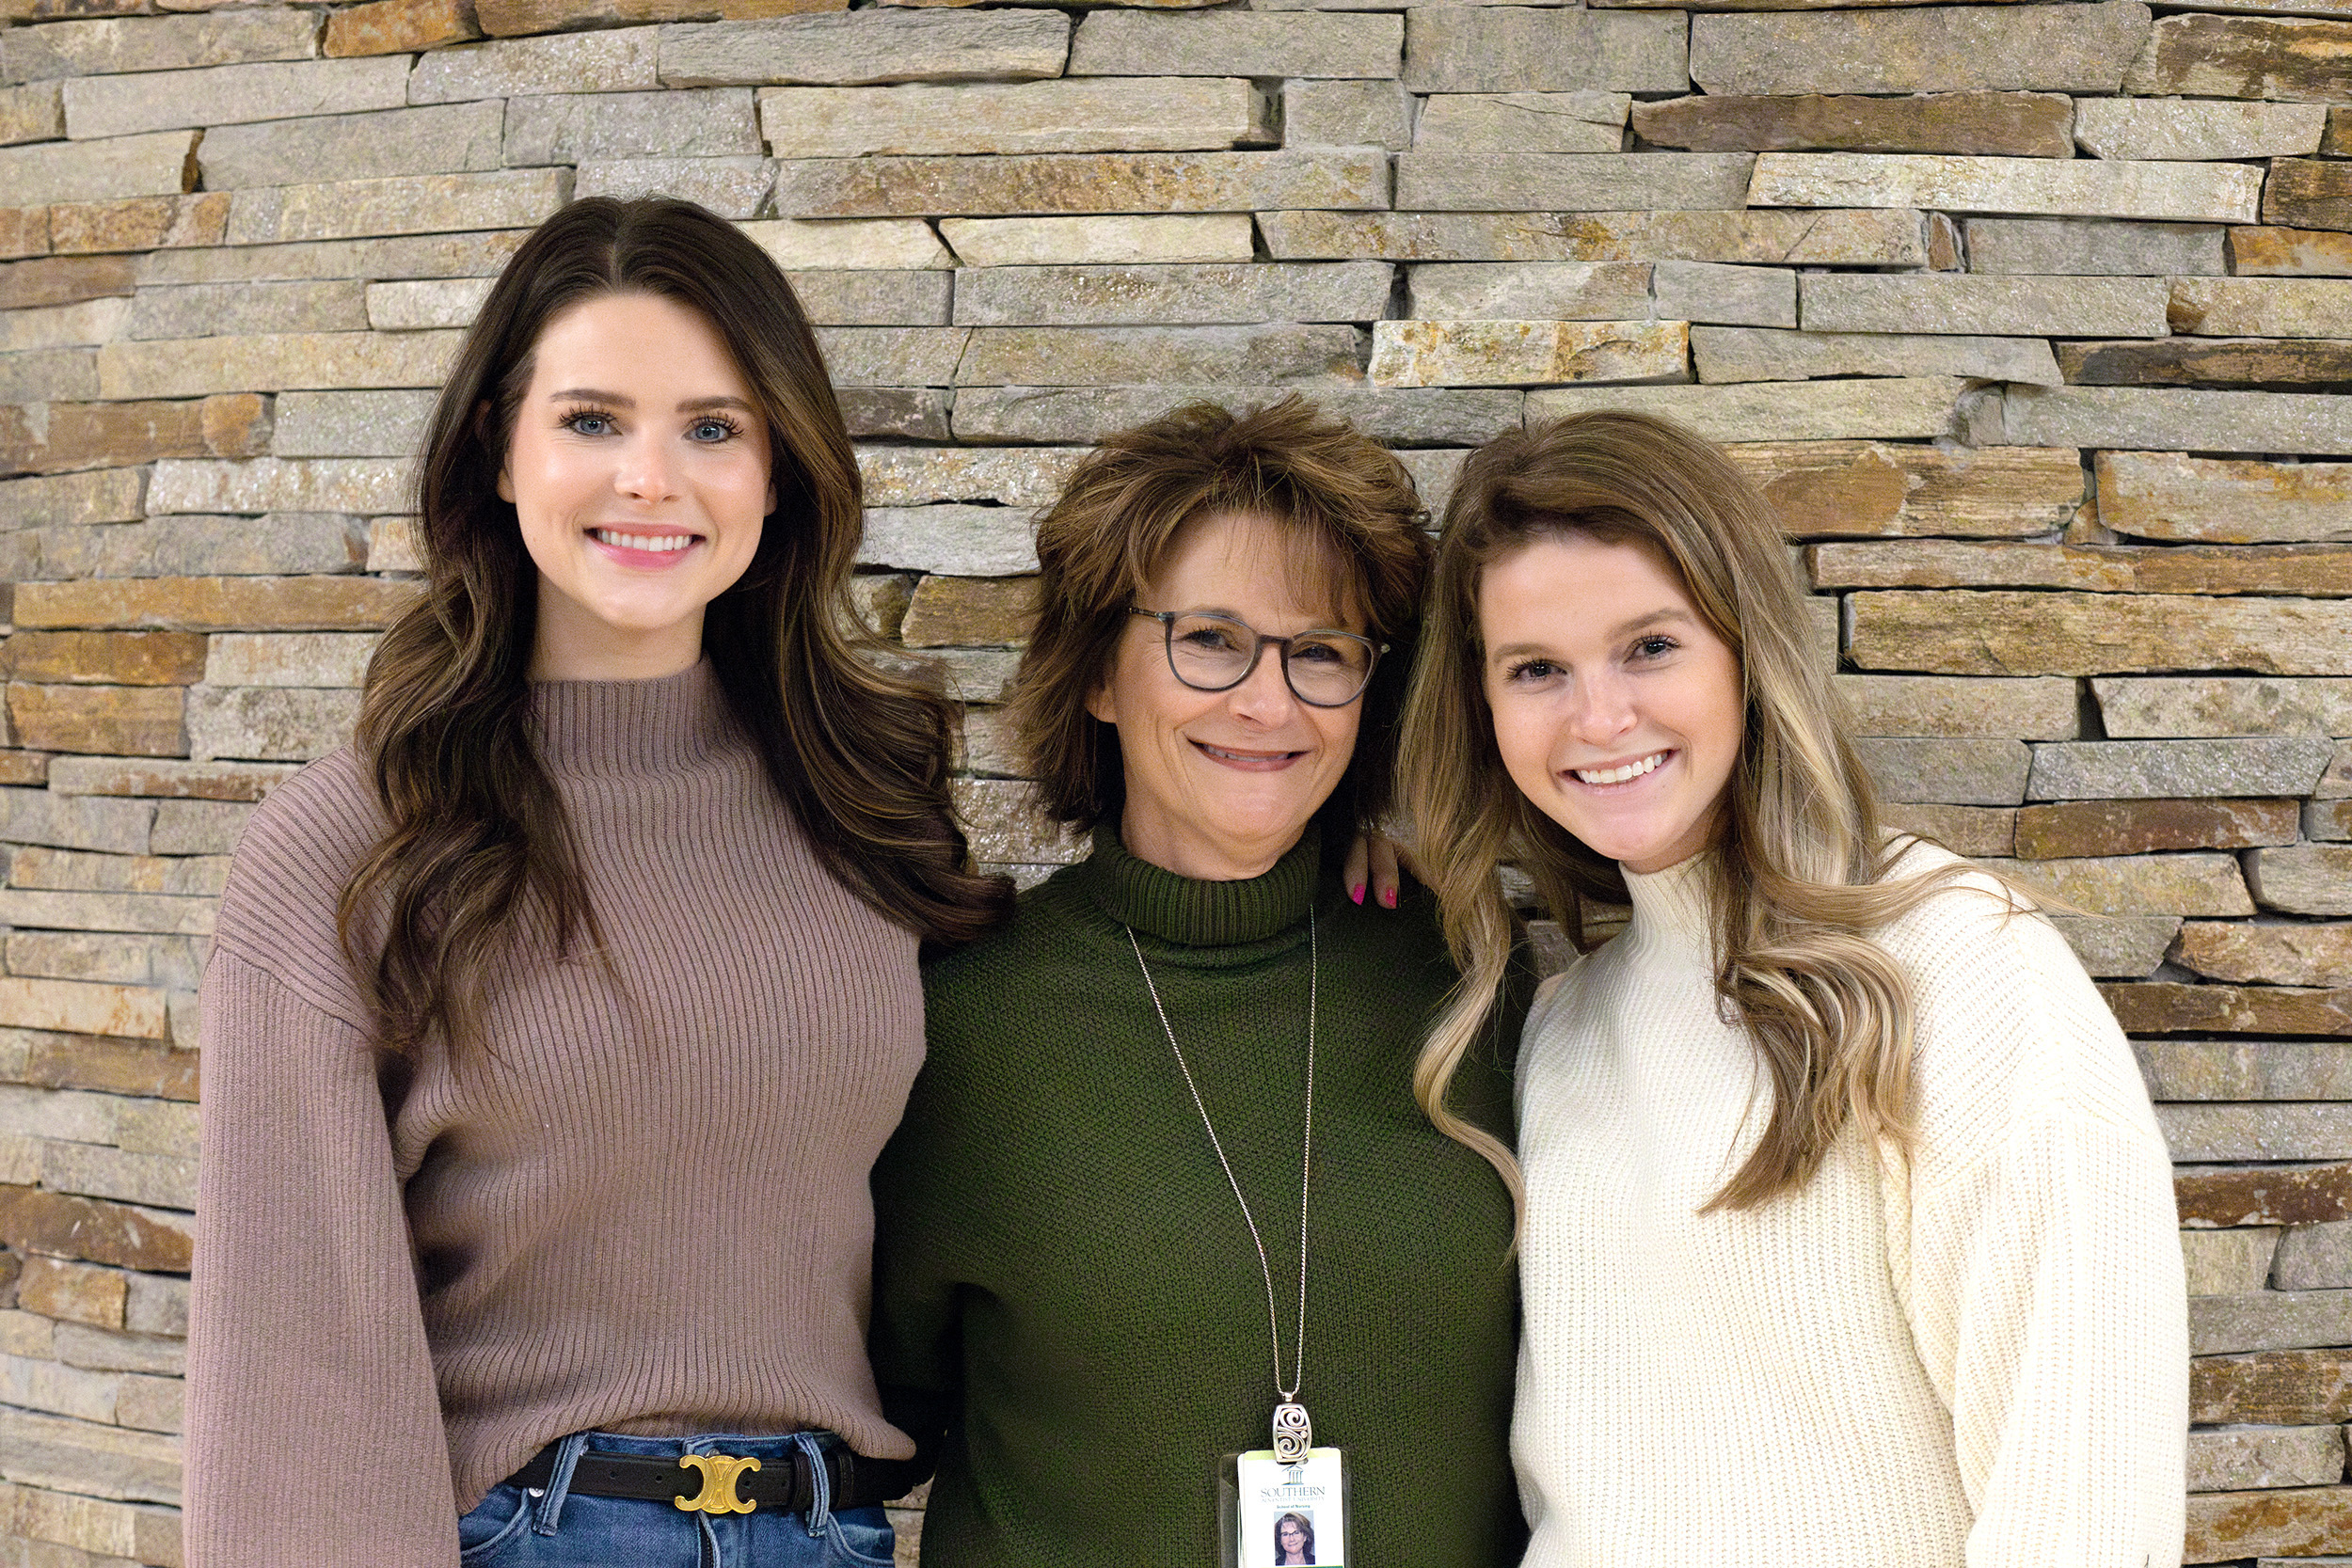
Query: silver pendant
(1293, 1434)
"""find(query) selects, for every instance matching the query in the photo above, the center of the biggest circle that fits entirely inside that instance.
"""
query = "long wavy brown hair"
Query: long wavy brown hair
(478, 844)
(1803, 867)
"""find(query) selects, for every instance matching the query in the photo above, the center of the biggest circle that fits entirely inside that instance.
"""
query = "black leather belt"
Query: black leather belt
(721, 1484)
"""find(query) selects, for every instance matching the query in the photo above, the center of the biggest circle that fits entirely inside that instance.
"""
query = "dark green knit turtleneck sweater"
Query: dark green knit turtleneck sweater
(1064, 1282)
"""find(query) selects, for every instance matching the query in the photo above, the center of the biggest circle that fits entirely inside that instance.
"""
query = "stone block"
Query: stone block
(2327, 819)
(2170, 1007)
(1112, 357)
(281, 485)
(891, 355)
(93, 321)
(89, 434)
(1964, 304)
(2156, 418)
(1513, 49)
(1864, 238)
(268, 723)
(2227, 1262)
(107, 658)
(418, 304)
(2216, 193)
(2245, 57)
(1966, 773)
(515, 18)
(71, 1292)
(35, 112)
(1579, 121)
(1830, 489)
(1795, 411)
(2303, 878)
(59, 1454)
(114, 958)
(866, 48)
(976, 675)
(352, 424)
(2188, 129)
(954, 540)
(113, 106)
(1121, 43)
(113, 827)
(1348, 113)
(2093, 248)
(1221, 237)
(63, 280)
(1971, 830)
(229, 310)
(406, 204)
(2297, 955)
(626, 61)
(2264, 308)
(2091, 634)
(2270, 1320)
(275, 362)
(1112, 297)
(398, 27)
(2270, 1130)
(1527, 353)
(2161, 770)
(2242, 1069)
(114, 46)
(1081, 182)
(202, 781)
(2127, 946)
(214, 604)
(882, 244)
(81, 1007)
(906, 413)
(156, 1305)
(23, 231)
(2265, 1194)
(1433, 416)
(2075, 829)
(1990, 124)
(969, 611)
(2290, 253)
(79, 171)
(69, 373)
(879, 599)
(731, 187)
(99, 496)
(1006, 828)
(894, 298)
(1010, 476)
(1710, 291)
(455, 255)
(2072, 48)
(289, 659)
(186, 546)
(2185, 885)
(1536, 291)
(1147, 115)
(2168, 496)
(2203, 361)
(2313, 1258)
(1957, 708)
(1561, 182)
(2272, 1388)
(571, 128)
(2224, 705)
(171, 877)
(93, 1171)
(1732, 354)
(140, 223)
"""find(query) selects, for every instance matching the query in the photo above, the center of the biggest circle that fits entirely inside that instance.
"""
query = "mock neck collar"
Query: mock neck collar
(1188, 913)
(605, 727)
(1672, 910)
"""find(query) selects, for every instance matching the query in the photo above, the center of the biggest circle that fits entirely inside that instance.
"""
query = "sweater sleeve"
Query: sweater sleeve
(2046, 1284)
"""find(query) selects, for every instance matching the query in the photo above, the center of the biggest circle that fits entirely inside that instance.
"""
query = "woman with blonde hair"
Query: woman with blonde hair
(1834, 1158)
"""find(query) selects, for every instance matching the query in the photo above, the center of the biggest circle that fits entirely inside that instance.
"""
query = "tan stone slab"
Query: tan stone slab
(2290, 253)
(232, 309)
(1529, 291)
(1008, 476)
(1971, 830)
(1935, 770)
(1107, 113)
(2042, 709)
(99, 496)
(2139, 884)
(268, 724)
(417, 204)
(2318, 570)
(1412, 416)
(2185, 129)
(1123, 355)
(2158, 418)
(1727, 354)
(2273, 1195)
(2069, 829)
(100, 434)
(900, 413)
(23, 231)
(2262, 1457)
(1527, 353)
(2262, 307)
(113, 721)
(573, 128)
(424, 302)
(2218, 193)
(60, 372)
(2245, 57)
(2007, 125)
(1527, 49)
(894, 244)
(1864, 238)
(437, 140)
(1585, 121)
(2168, 769)
(1097, 241)
(731, 187)
(2307, 192)
(1119, 42)
(624, 61)
(1780, 411)
(2002, 633)
(481, 254)
(2295, 955)
(109, 107)
(2093, 248)
(970, 613)
(2162, 495)
(1322, 113)
(2225, 1262)
(113, 659)
(903, 297)
(82, 1008)
(346, 485)
(1173, 295)
(1563, 181)
(276, 545)
(1006, 828)
(117, 46)
(2303, 878)
(217, 603)
(158, 164)
(2224, 705)
(2337, 141)
(515, 18)
(2072, 48)
(1082, 183)
(31, 113)
(398, 27)
(868, 47)
(2175, 1007)
(272, 363)
(2203, 361)
(1868, 489)
(92, 322)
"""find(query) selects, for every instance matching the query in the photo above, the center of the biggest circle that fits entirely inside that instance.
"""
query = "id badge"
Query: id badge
(1271, 1514)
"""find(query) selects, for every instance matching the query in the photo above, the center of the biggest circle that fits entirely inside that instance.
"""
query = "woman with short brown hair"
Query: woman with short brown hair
(1166, 1142)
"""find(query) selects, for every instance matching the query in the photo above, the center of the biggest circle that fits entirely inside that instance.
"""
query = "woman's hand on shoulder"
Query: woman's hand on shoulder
(1376, 866)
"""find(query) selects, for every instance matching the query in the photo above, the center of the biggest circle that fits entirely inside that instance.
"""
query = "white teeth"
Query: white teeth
(655, 542)
(1619, 775)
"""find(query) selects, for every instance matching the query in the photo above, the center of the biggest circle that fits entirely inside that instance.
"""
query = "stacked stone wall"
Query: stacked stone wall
(2035, 319)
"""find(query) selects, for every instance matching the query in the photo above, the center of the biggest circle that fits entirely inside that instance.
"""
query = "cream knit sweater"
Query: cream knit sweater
(1977, 1357)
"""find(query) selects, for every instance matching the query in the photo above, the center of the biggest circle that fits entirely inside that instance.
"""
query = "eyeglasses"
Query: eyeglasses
(1217, 652)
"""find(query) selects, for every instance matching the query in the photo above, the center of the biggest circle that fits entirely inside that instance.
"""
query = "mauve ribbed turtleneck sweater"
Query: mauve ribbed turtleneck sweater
(642, 1208)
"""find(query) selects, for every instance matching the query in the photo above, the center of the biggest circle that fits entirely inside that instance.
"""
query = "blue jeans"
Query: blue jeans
(557, 1528)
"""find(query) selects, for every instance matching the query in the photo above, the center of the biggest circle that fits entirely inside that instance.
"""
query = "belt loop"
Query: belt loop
(548, 1511)
(820, 1482)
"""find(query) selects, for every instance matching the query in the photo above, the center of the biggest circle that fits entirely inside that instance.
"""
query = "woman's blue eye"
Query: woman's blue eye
(1655, 647)
(1534, 670)
(589, 424)
(1207, 641)
(711, 429)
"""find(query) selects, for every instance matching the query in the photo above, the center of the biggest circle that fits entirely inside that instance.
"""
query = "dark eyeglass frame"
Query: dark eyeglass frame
(1168, 619)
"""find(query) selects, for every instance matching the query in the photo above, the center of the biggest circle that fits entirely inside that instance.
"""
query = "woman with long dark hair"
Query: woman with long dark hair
(551, 1027)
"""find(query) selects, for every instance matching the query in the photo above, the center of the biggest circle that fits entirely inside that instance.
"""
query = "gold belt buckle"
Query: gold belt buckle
(719, 1474)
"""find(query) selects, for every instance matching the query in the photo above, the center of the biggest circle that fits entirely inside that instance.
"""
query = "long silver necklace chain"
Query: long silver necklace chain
(1293, 1434)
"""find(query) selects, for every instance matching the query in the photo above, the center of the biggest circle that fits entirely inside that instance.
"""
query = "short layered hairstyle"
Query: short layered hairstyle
(1360, 540)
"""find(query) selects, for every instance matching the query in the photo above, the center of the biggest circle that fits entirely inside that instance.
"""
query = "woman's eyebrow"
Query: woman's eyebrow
(591, 394)
(698, 406)
(1625, 629)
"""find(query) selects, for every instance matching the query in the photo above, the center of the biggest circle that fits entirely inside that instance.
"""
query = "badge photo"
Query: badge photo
(1277, 1513)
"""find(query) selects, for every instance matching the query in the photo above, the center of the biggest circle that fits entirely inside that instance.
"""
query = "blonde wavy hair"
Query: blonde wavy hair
(1803, 863)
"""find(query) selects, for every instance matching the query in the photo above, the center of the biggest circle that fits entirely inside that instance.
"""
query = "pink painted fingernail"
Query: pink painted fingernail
(1356, 893)
(1388, 897)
